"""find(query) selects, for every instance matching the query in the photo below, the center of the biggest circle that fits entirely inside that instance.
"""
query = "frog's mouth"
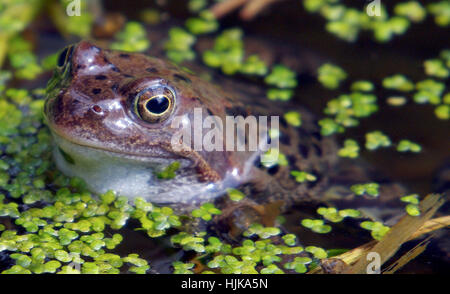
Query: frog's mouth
(153, 152)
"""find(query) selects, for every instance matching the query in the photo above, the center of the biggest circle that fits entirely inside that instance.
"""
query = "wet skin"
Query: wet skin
(108, 133)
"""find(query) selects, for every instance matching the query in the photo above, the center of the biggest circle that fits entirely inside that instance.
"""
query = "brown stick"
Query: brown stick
(223, 8)
(253, 8)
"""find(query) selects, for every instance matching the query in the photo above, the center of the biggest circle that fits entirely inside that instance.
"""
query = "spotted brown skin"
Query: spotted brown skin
(91, 102)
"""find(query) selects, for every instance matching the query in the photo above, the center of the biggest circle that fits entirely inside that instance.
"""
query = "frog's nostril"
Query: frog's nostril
(96, 108)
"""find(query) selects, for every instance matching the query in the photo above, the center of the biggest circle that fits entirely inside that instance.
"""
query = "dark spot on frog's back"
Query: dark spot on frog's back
(101, 77)
(124, 55)
(179, 77)
(115, 87)
(114, 68)
(96, 91)
(151, 70)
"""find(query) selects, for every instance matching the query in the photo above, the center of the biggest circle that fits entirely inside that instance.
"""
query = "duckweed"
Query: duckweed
(441, 12)
(205, 23)
(350, 149)
(398, 82)
(189, 242)
(318, 252)
(299, 264)
(206, 211)
(302, 176)
(442, 111)
(169, 171)
(330, 75)
(178, 47)
(413, 10)
(272, 269)
(377, 139)
(362, 86)
(293, 118)
(328, 127)
(377, 229)
(436, 68)
(406, 145)
(197, 5)
(133, 38)
(412, 208)
(280, 94)
(261, 231)
(289, 239)
(254, 65)
(428, 91)
(227, 53)
(371, 189)
(281, 77)
(231, 265)
(334, 215)
(316, 225)
(235, 195)
(182, 268)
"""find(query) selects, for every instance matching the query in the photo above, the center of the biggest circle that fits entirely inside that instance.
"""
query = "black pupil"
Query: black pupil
(158, 104)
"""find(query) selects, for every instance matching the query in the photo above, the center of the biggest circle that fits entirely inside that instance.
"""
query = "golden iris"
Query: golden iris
(155, 104)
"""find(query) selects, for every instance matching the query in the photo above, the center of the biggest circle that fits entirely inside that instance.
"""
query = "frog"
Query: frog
(112, 116)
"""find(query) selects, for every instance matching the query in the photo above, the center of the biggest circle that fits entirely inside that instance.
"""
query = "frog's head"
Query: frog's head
(111, 114)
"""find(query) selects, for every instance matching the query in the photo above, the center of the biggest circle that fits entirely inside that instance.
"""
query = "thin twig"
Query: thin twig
(253, 8)
(223, 8)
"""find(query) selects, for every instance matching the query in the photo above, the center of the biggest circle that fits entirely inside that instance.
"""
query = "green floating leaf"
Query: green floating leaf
(362, 86)
(378, 230)
(281, 77)
(132, 38)
(293, 118)
(398, 82)
(302, 176)
(413, 209)
(329, 127)
(413, 10)
(280, 94)
(178, 47)
(205, 23)
(254, 65)
(316, 225)
(330, 76)
(436, 68)
(235, 195)
(406, 145)
(371, 189)
(377, 139)
(169, 171)
(350, 149)
(206, 211)
(413, 199)
(442, 111)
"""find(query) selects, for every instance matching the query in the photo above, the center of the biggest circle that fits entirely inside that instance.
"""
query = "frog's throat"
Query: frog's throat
(135, 176)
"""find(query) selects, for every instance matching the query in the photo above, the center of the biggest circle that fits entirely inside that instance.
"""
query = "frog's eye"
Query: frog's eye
(155, 104)
(64, 56)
